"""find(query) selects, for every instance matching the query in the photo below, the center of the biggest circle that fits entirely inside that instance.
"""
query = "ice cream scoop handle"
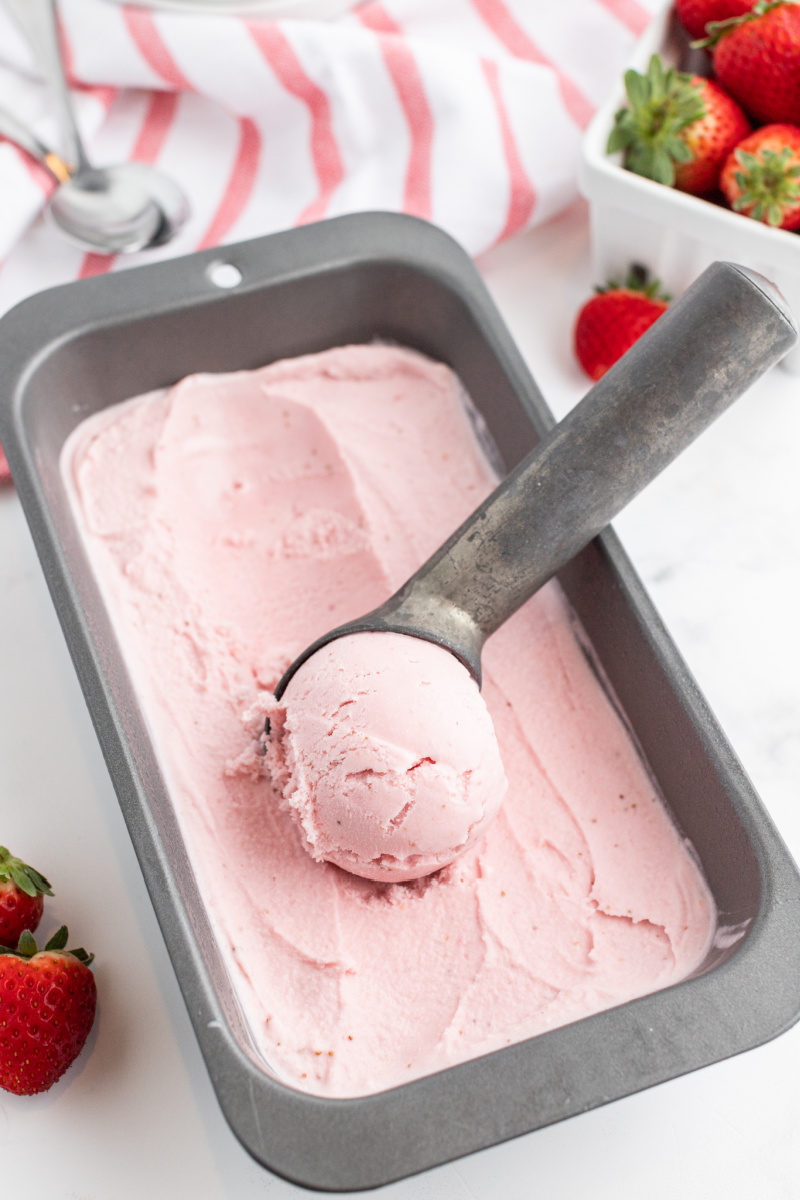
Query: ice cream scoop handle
(704, 352)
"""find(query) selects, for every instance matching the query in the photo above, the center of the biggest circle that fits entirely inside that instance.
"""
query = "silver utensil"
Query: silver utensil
(112, 210)
(708, 348)
(15, 131)
(98, 210)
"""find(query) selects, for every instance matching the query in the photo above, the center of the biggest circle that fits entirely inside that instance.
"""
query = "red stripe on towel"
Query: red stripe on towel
(161, 110)
(508, 31)
(522, 198)
(66, 48)
(102, 92)
(95, 264)
(240, 185)
(406, 77)
(629, 13)
(145, 33)
(39, 174)
(279, 53)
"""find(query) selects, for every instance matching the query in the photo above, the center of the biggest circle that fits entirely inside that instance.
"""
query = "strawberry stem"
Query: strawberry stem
(26, 878)
(638, 280)
(662, 104)
(59, 939)
(716, 30)
(769, 185)
(27, 946)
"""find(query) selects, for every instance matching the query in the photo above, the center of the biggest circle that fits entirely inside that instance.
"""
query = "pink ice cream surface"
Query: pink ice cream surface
(232, 520)
(385, 752)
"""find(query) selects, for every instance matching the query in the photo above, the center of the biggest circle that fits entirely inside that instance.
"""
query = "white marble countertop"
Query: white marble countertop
(717, 541)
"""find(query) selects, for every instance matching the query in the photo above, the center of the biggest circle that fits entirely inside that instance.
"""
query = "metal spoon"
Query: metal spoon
(95, 209)
(707, 349)
(113, 210)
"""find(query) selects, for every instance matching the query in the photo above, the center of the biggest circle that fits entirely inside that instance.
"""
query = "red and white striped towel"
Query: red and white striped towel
(467, 112)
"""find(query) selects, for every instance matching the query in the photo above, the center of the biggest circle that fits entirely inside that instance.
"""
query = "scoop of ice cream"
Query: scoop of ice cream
(384, 750)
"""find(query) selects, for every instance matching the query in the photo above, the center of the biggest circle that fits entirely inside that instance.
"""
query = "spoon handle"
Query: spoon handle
(700, 356)
(26, 139)
(38, 21)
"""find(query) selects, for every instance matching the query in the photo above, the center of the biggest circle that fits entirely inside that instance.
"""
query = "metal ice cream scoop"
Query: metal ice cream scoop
(701, 355)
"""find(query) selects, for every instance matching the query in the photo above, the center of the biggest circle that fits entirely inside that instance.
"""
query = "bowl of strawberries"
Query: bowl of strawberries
(696, 156)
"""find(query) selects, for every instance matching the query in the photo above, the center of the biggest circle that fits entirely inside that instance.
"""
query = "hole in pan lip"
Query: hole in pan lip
(224, 275)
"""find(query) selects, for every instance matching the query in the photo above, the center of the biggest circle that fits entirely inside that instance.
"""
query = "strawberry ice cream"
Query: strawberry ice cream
(230, 521)
(384, 749)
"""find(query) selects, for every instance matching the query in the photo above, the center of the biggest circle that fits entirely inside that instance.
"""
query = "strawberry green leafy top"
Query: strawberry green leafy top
(26, 878)
(662, 104)
(637, 280)
(27, 947)
(717, 29)
(770, 184)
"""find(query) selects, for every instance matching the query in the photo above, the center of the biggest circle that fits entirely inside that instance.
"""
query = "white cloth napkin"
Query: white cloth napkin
(467, 112)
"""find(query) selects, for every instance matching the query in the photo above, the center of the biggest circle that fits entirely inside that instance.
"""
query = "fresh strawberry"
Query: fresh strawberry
(694, 15)
(678, 130)
(710, 139)
(5, 471)
(757, 60)
(22, 893)
(614, 319)
(761, 177)
(47, 1005)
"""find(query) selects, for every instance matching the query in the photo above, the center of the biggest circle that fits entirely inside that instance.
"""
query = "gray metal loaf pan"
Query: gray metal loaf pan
(76, 349)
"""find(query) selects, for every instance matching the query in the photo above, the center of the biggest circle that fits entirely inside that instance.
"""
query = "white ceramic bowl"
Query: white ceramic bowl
(675, 235)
